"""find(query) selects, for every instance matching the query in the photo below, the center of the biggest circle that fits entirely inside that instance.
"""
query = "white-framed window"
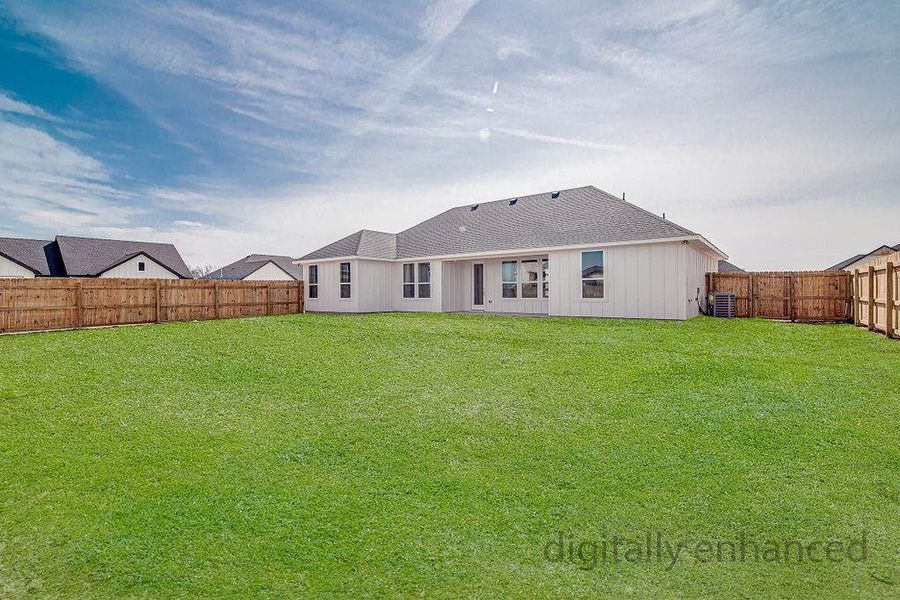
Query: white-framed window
(545, 277)
(592, 275)
(530, 276)
(345, 280)
(509, 279)
(425, 280)
(417, 280)
(313, 281)
(409, 280)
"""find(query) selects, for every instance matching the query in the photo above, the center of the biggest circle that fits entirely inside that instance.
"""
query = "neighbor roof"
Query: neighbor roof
(39, 256)
(250, 264)
(727, 267)
(89, 257)
(584, 215)
(846, 263)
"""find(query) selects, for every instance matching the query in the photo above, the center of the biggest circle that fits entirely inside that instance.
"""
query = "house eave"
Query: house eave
(710, 247)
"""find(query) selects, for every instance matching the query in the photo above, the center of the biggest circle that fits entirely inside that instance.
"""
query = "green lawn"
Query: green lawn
(440, 455)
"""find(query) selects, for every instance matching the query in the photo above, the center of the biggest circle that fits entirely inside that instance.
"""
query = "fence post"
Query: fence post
(871, 298)
(753, 293)
(156, 287)
(79, 303)
(268, 298)
(216, 299)
(889, 300)
(300, 296)
(791, 298)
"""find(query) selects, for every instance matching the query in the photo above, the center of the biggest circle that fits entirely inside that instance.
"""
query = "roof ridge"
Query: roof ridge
(644, 210)
(98, 239)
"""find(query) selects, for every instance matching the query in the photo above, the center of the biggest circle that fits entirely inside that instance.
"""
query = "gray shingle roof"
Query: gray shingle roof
(727, 267)
(89, 257)
(250, 264)
(584, 215)
(846, 263)
(367, 243)
(31, 254)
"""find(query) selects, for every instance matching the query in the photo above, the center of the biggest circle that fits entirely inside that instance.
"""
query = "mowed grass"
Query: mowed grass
(438, 455)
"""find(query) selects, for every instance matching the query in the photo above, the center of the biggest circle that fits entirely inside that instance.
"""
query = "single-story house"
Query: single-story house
(576, 252)
(727, 267)
(854, 261)
(258, 267)
(67, 256)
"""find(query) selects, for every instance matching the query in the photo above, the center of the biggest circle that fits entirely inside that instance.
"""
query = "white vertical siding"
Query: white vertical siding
(129, 270)
(269, 272)
(698, 265)
(648, 281)
(10, 269)
(329, 299)
(433, 304)
(643, 281)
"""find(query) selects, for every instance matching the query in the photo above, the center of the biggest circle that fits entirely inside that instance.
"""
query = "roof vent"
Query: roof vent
(513, 201)
(474, 207)
(554, 194)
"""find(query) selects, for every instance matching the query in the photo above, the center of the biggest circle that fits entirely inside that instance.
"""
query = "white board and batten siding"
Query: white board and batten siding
(130, 270)
(642, 281)
(269, 272)
(14, 270)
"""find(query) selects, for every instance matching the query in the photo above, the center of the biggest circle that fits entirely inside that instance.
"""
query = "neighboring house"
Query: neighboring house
(259, 267)
(68, 256)
(727, 267)
(577, 252)
(854, 261)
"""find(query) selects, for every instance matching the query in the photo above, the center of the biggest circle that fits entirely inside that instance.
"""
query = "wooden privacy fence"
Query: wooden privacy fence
(876, 286)
(71, 303)
(805, 296)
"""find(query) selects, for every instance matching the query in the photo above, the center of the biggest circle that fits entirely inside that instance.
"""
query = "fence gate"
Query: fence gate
(804, 296)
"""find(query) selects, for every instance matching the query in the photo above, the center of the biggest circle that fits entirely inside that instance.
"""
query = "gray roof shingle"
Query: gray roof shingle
(31, 254)
(250, 264)
(89, 257)
(584, 215)
(727, 267)
(366, 243)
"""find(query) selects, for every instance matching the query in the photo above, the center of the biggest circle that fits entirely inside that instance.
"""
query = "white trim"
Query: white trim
(527, 251)
(416, 282)
(582, 278)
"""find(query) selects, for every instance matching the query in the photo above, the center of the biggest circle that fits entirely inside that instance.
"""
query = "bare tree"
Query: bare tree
(198, 271)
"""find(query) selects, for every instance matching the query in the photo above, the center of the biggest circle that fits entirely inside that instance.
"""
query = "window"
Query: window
(313, 281)
(545, 277)
(414, 274)
(345, 280)
(592, 275)
(510, 278)
(424, 280)
(142, 266)
(409, 280)
(529, 279)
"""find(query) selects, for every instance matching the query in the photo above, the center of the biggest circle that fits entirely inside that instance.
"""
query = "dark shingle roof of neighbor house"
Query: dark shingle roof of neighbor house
(250, 264)
(845, 263)
(584, 215)
(89, 257)
(39, 256)
(727, 267)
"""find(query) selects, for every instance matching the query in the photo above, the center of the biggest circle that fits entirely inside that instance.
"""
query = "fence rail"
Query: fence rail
(803, 296)
(72, 303)
(876, 287)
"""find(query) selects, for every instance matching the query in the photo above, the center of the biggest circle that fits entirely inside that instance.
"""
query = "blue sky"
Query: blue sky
(772, 128)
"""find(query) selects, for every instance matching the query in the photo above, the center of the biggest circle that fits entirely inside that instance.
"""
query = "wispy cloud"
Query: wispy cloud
(301, 123)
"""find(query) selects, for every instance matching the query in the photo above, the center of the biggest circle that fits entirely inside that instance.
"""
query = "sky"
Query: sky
(772, 128)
